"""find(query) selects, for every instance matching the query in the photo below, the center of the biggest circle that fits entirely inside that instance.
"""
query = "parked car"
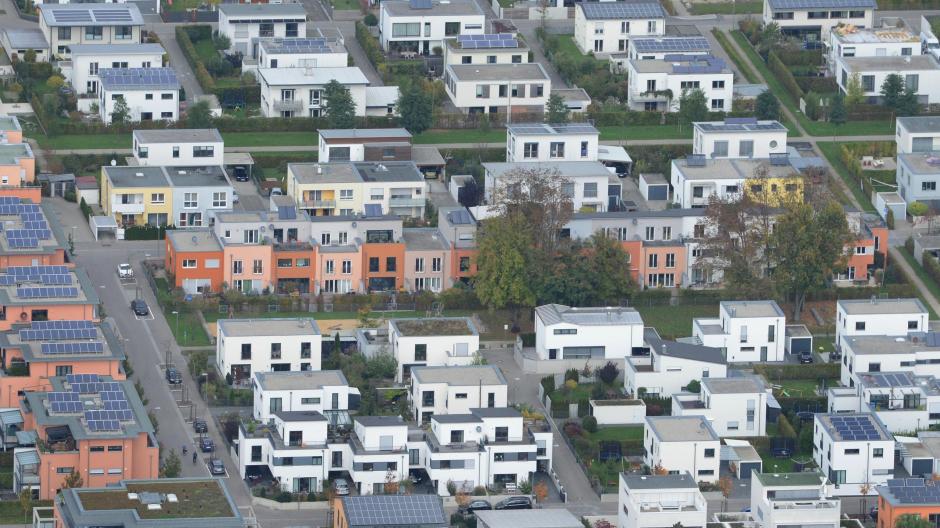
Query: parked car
(515, 503)
(140, 307)
(473, 506)
(125, 271)
(216, 467)
(173, 376)
(200, 426)
(206, 445)
(806, 357)
(276, 191)
(835, 356)
(241, 173)
(341, 487)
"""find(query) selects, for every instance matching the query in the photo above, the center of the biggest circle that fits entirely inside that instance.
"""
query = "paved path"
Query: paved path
(167, 34)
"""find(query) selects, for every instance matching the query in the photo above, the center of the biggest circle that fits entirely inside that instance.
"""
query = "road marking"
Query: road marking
(148, 317)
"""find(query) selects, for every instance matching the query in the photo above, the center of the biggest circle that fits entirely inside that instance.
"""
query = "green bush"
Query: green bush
(571, 374)
(284, 496)
(589, 423)
(548, 384)
(146, 232)
(917, 208)
(784, 427)
(784, 75)
(185, 35)
(370, 45)
(774, 373)
(86, 209)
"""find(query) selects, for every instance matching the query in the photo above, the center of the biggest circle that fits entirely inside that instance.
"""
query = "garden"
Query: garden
(217, 72)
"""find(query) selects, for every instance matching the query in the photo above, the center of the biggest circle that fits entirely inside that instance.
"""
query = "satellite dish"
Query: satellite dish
(113, 162)
(261, 229)
(271, 227)
(354, 224)
(479, 429)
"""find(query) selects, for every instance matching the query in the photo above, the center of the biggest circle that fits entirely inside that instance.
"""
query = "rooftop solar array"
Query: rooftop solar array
(82, 378)
(33, 226)
(298, 45)
(695, 160)
(889, 379)
(61, 325)
(48, 275)
(46, 292)
(697, 64)
(666, 45)
(96, 387)
(82, 347)
(492, 40)
(914, 491)
(855, 428)
(93, 15)
(102, 405)
(390, 510)
(822, 4)
(138, 78)
(29, 334)
(420, 4)
(622, 10)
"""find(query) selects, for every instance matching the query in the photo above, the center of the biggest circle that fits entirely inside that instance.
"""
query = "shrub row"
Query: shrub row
(146, 232)
(370, 45)
(784, 76)
(932, 267)
(185, 36)
(822, 85)
(797, 372)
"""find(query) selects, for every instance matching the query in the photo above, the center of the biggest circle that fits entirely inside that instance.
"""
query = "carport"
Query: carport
(231, 159)
(104, 224)
(741, 457)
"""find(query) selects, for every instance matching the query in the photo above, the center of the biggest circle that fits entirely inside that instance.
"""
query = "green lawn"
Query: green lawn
(802, 388)
(727, 8)
(928, 280)
(831, 151)
(675, 321)
(232, 139)
(632, 132)
(569, 48)
(462, 135)
(12, 513)
(346, 5)
(185, 326)
(181, 5)
(743, 66)
(616, 433)
(213, 316)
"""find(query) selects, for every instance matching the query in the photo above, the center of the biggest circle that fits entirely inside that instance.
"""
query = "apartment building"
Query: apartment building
(853, 450)
(917, 353)
(46, 249)
(917, 177)
(917, 134)
(607, 27)
(427, 258)
(493, 48)
(298, 92)
(439, 391)
(94, 426)
(150, 94)
(242, 23)
(348, 188)
(324, 391)
(739, 137)
(682, 444)
(45, 293)
(422, 26)
(245, 346)
(497, 88)
(186, 147)
(199, 193)
(660, 500)
(10, 130)
(855, 41)
(779, 500)
(657, 48)
(18, 172)
(905, 497)
(432, 342)
(695, 179)
(64, 25)
(874, 317)
(376, 452)
(549, 143)
(36, 352)
(735, 406)
(590, 185)
(564, 332)
(152, 503)
(920, 72)
(194, 256)
(651, 82)
(88, 59)
(812, 20)
(671, 366)
(747, 331)
(291, 446)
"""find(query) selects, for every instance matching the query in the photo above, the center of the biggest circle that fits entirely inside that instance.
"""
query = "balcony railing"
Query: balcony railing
(320, 204)
(289, 105)
(405, 202)
(652, 507)
(43, 517)
(805, 505)
(128, 208)
(648, 96)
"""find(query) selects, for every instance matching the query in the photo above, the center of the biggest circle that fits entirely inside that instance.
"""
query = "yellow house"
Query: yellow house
(775, 191)
(137, 195)
(346, 188)
(695, 179)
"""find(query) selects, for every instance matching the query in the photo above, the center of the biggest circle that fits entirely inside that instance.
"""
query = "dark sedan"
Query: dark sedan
(140, 307)
(474, 506)
(515, 503)
(206, 445)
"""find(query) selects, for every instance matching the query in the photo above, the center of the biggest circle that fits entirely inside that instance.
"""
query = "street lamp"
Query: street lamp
(177, 314)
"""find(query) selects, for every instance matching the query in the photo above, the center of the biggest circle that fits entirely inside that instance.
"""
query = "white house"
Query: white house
(920, 72)
(199, 193)
(242, 23)
(298, 92)
(739, 138)
(324, 391)
(734, 406)
(917, 176)
(781, 500)
(879, 317)
(748, 331)
(589, 184)
(497, 88)
(902, 401)
(65, 25)
(546, 142)
(378, 450)
(656, 48)
(607, 27)
(300, 52)
(918, 353)
(456, 390)
(181, 147)
(492, 48)
(660, 500)
(245, 346)
(363, 144)
(696, 178)
(855, 41)
(812, 19)
(422, 25)
(432, 342)
(917, 134)
(853, 450)
(151, 94)
(87, 59)
(682, 444)
(563, 332)
(291, 446)
(652, 81)
(671, 366)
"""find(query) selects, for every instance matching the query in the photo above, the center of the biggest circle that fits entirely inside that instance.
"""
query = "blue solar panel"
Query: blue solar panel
(82, 347)
(82, 378)
(66, 407)
(46, 292)
(61, 396)
(31, 334)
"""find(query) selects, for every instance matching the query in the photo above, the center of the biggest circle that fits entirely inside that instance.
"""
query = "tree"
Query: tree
(694, 386)
(504, 259)
(391, 483)
(171, 465)
(693, 106)
(340, 107)
(589, 273)
(540, 490)
(199, 115)
(892, 89)
(539, 195)
(837, 113)
(415, 108)
(912, 520)
(221, 41)
(907, 104)
(73, 480)
(854, 93)
(769, 38)
(121, 113)
(556, 111)
(767, 106)
(26, 503)
(726, 487)
(608, 373)
(808, 245)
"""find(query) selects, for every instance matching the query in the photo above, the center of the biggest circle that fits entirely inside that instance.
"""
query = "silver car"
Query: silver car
(341, 487)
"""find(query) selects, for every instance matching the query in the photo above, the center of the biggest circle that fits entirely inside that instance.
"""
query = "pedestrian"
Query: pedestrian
(194, 457)
(184, 449)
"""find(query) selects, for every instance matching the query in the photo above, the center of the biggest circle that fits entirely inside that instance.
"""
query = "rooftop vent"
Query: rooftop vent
(139, 174)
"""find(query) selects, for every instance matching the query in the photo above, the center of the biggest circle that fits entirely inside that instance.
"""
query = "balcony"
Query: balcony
(288, 105)
(395, 201)
(43, 517)
(806, 505)
(319, 204)
(664, 507)
(644, 97)
(127, 208)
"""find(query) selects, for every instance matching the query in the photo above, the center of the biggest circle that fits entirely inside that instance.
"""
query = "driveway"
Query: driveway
(167, 34)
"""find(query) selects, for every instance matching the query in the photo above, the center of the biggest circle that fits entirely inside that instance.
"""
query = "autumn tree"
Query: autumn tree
(504, 260)
(72, 480)
(540, 195)
(540, 489)
(391, 483)
(854, 93)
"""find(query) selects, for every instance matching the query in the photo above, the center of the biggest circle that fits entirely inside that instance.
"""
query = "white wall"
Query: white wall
(859, 468)
(905, 139)
(684, 456)
(650, 508)
(240, 35)
(138, 103)
(305, 106)
(716, 86)
(302, 60)
(464, 93)
(883, 323)
(801, 20)
(229, 351)
(84, 64)
(161, 154)
(618, 340)
(810, 508)
(469, 25)
(613, 35)
(572, 147)
(764, 143)
(456, 399)
(619, 414)
(669, 375)
(441, 350)
(500, 55)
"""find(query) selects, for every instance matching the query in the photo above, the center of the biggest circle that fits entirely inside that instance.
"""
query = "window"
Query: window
(771, 333)
(166, 115)
(284, 263)
(421, 352)
(436, 264)
(456, 437)
(746, 148)
(148, 97)
(537, 90)
(650, 232)
(176, 152)
(237, 267)
(166, 96)
(303, 263)
(670, 260)
(257, 266)
(718, 104)
(330, 267)
(157, 198)
(868, 83)
(219, 199)
(143, 152)
(565, 331)
(325, 239)
(625, 27)
(556, 149)
(464, 264)
(717, 85)
(733, 426)
(345, 194)
(651, 26)
(189, 263)
(190, 200)
(912, 325)
(653, 260)
(590, 190)
(517, 59)
(305, 354)
(928, 186)
(860, 325)
(65, 33)
(346, 267)
(373, 264)
(466, 60)
(912, 81)
(720, 149)
(390, 263)
(483, 91)
(96, 449)
(275, 351)
(203, 151)
(710, 453)
(874, 367)
(123, 33)
(851, 451)
(878, 452)
(667, 233)
(94, 33)
(451, 29)
(419, 265)
(584, 149)
(491, 59)
(530, 150)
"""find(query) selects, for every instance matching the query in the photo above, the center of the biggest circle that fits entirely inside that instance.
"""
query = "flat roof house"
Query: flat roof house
(66, 24)
(199, 193)
(498, 88)
(456, 389)
(324, 391)
(17, 168)
(813, 19)
(879, 317)
(245, 346)
(550, 518)
(917, 134)
(298, 92)
(682, 444)
(181, 147)
(564, 332)
(150, 94)
(771, 181)
(434, 342)
(651, 81)
(298, 52)
(671, 366)
(242, 23)
(352, 188)
(907, 496)
(607, 27)
(735, 406)
(46, 250)
(917, 177)
(492, 48)
(739, 138)
(660, 500)
(853, 450)
(920, 72)
(854, 41)
(419, 26)
(547, 142)
(901, 400)
(748, 331)
(779, 500)
(89, 59)
(593, 187)
(917, 353)
(46, 293)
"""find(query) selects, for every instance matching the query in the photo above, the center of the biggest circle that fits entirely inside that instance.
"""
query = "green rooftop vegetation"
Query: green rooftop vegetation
(194, 499)
(433, 327)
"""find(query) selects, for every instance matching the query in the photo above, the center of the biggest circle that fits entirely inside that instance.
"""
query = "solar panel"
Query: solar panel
(9, 200)
(695, 160)
(82, 347)
(666, 45)
(103, 425)
(57, 334)
(138, 78)
(821, 4)
(622, 10)
(66, 407)
(30, 271)
(82, 378)
(420, 4)
(117, 405)
(61, 396)
(46, 292)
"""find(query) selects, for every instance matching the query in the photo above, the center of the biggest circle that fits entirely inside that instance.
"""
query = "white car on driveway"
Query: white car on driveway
(125, 271)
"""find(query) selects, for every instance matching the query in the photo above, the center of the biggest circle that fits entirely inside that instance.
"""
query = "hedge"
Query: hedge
(797, 372)
(784, 76)
(146, 232)
(932, 267)
(822, 85)
(184, 35)
(784, 427)
(370, 45)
